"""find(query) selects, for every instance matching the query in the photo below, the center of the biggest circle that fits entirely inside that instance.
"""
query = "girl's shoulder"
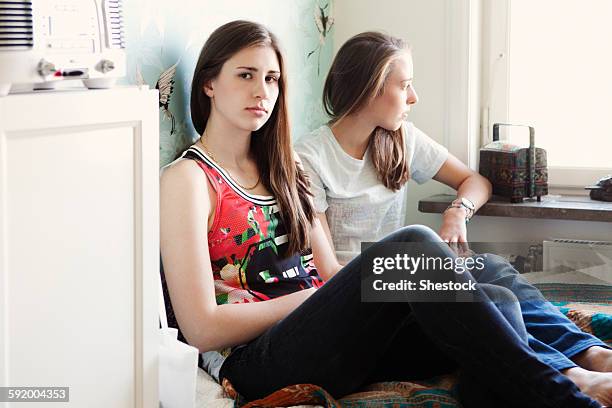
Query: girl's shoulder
(409, 133)
(315, 146)
(314, 140)
(417, 140)
(180, 167)
(181, 173)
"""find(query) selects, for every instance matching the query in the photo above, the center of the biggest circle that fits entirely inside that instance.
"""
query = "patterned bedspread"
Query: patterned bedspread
(594, 316)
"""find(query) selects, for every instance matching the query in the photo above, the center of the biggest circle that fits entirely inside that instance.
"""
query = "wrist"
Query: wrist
(455, 212)
(464, 204)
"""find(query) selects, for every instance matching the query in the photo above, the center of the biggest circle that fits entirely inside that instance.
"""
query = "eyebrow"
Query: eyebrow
(406, 80)
(255, 70)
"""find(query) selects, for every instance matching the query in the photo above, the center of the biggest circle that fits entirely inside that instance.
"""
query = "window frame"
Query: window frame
(495, 90)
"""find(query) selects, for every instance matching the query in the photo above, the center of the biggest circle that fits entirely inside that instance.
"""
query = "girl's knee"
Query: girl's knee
(418, 233)
(495, 267)
(499, 294)
(508, 305)
(495, 259)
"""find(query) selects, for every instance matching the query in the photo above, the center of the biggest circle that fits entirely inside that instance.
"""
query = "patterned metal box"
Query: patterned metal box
(515, 172)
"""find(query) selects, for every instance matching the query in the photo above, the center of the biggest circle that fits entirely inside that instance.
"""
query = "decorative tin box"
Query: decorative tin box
(514, 171)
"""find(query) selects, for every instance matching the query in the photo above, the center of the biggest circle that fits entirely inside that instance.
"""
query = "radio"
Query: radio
(43, 42)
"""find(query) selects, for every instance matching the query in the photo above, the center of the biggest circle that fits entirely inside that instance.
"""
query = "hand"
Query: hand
(454, 231)
(453, 226)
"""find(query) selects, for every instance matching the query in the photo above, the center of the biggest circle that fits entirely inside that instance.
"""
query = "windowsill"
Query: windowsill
(553, 207)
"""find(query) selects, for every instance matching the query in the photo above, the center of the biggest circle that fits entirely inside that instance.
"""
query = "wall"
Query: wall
(161, 33)
(430, 27)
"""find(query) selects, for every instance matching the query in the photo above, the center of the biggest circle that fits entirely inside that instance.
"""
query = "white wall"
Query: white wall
(431, 27)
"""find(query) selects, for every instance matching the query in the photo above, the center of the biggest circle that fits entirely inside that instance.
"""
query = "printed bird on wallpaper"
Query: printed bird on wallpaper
(324, 23)
(140, 81)
(165, 85)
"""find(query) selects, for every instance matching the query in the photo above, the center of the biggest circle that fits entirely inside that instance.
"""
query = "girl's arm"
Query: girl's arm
(323, 220)
(185, 207)
(321, 241)
(468, 184)
(322, 248)
(325, 225)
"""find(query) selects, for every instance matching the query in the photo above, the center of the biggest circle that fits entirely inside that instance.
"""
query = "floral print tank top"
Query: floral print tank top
(248, 243)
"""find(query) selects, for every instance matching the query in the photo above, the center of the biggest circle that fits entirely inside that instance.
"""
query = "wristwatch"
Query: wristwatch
(466, 204)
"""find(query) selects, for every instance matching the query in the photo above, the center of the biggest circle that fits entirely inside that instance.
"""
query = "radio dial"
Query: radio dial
(106, 66)
(46, 68)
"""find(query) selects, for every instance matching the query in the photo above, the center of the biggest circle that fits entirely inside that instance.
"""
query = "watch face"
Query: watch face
(467, 203)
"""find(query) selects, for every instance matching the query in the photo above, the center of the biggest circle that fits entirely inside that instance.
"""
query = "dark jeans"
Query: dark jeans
(340, 343)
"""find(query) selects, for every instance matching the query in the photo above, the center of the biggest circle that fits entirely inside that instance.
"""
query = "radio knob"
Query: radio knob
(106, 66)
(46, 68)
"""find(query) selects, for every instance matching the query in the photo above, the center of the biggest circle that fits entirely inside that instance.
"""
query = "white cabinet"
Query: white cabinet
(79, 244)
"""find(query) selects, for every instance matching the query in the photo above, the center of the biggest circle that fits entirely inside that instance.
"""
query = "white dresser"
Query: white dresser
(79, 245)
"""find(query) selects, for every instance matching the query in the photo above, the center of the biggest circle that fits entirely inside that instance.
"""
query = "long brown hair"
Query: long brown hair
(271, 144)
(357, 75)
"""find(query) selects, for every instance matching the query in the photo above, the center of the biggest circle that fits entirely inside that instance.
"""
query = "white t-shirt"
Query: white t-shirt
(358, 206)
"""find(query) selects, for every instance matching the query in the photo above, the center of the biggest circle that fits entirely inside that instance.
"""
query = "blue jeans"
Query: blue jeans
(340, 343)
(553, 337)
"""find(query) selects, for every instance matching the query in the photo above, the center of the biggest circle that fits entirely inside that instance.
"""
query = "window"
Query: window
(548, 63)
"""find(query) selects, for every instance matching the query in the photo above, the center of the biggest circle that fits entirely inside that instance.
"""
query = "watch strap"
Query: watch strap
(458, 203)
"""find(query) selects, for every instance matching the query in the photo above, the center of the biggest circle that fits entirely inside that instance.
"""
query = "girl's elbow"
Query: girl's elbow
(209, 340)
(329, 272)
(198, 340)
(202, 334)
(488, 185)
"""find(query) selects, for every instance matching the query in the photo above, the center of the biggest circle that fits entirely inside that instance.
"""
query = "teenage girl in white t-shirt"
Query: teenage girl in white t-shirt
(367, 152)
(360, 162)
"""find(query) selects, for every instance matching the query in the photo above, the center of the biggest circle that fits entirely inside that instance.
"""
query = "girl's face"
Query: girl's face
(244, 93)
(390, 109)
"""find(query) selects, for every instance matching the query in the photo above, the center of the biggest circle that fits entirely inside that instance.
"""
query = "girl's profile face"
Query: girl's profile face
(245, 91)
(390, 109)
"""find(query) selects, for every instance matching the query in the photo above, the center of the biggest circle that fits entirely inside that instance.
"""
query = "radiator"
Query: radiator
(579, 261)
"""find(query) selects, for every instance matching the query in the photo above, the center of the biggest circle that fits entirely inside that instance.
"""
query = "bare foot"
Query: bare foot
(595, 359)
(594, 384)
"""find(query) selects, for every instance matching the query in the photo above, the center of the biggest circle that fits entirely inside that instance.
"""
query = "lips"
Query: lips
(257, 109)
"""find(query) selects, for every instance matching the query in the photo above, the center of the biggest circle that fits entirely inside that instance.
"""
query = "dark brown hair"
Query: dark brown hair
(357, 75)
(271, 144)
